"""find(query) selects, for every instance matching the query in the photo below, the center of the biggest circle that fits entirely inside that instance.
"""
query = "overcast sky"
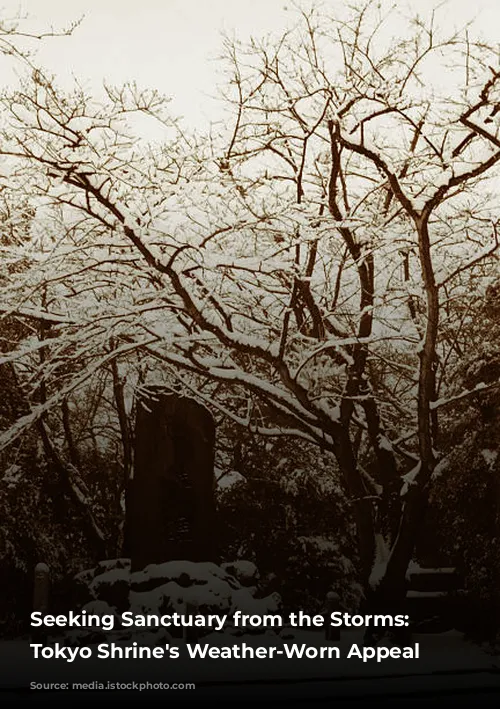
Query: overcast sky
(171, 44)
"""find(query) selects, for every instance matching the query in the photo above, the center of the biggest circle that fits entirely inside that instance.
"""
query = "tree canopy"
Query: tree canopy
(313, 268)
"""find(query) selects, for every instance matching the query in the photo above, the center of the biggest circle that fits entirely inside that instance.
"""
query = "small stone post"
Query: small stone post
(41, 590)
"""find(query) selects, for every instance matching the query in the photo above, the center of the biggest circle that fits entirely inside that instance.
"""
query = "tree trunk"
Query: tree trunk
(362, 504)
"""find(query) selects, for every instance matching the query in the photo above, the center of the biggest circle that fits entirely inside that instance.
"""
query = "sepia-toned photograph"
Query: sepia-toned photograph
(250, 351)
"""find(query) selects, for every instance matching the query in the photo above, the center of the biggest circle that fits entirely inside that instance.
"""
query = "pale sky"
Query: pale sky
(171, 44)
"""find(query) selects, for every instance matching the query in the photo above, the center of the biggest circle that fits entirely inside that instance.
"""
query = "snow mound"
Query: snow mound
(245, 571)
(172, 587)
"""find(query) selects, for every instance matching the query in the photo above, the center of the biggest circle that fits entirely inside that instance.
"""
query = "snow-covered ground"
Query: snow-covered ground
(446, 662)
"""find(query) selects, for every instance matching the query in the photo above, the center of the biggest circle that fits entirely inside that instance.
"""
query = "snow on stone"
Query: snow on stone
(174, 586)
(99, 608)
(245, 571)
(426, 594)
(243, 601)
(195, 572)
(217, 596)
(414, 568)
(112, 564)
(214, 597)
(109, 582)
(42, 568)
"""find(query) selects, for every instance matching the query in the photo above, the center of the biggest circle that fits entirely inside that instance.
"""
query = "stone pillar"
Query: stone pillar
(41, 592)
(170, 504)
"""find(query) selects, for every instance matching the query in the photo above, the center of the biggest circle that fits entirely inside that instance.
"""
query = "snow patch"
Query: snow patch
(410, 479)
(12, 475)
(42, 568)
(440, 468)
(384, 443)
(382, 553)
(228, 480)
(490, 456)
